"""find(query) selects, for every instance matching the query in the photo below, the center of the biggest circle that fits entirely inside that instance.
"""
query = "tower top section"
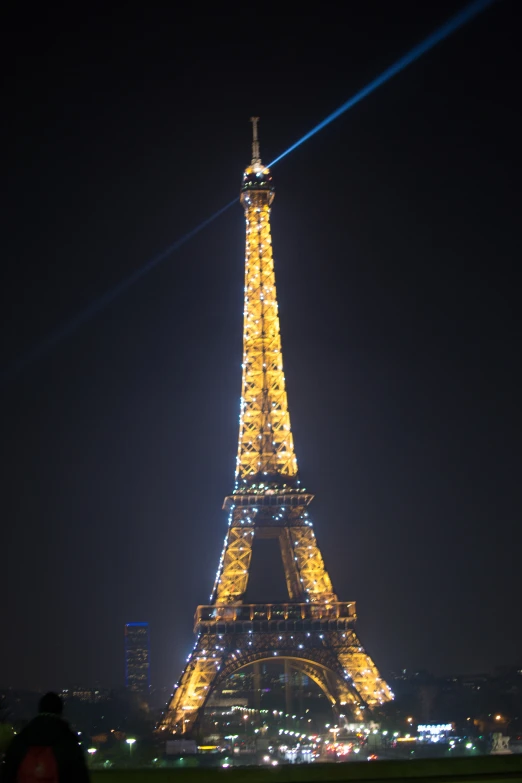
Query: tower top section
(266, 462)
(257, 181)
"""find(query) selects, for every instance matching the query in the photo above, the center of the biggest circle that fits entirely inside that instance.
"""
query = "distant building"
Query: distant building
(91, 695)
(137, 658)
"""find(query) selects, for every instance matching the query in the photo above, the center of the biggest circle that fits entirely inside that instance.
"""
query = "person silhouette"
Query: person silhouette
(46, 749)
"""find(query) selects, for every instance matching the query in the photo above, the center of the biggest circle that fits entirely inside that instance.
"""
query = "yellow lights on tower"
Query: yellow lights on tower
(312, 629)
(266, 446)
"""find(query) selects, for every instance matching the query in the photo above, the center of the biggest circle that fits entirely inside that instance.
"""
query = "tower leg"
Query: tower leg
(361, 671)
(195, 686)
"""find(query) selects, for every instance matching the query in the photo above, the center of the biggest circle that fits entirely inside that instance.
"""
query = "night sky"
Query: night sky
(396, 236)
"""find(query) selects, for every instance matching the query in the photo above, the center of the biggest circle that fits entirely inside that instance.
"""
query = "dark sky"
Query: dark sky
(397, 242)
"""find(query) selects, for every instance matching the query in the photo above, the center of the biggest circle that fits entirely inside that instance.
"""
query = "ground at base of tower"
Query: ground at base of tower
(492, 769)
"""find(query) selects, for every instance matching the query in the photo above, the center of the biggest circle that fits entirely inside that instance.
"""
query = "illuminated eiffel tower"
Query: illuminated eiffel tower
(313, 629)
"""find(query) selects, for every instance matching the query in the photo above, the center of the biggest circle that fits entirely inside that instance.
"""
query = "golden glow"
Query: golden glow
(233, 580)
(313, 630)
(306, 562)
(266, 445)
(364, 675)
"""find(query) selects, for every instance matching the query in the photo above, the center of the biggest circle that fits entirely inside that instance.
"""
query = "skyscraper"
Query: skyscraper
(137, 658)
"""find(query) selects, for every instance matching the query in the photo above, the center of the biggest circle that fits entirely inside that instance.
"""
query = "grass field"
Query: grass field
(492, 769)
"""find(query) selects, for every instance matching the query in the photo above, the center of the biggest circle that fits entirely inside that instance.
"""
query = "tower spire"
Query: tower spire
(256, 159)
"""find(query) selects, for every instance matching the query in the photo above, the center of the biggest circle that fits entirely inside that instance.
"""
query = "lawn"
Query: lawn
(492, 769)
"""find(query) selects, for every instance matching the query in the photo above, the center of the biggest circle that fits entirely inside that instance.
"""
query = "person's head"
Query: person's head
(52, 703)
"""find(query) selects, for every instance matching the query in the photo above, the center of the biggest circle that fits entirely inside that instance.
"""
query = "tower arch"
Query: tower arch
(336, 689)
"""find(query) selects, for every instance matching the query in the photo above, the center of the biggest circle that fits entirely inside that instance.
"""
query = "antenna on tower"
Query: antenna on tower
(255, 141)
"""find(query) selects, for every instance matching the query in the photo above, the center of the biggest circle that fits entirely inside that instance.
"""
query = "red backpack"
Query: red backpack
(38, 766)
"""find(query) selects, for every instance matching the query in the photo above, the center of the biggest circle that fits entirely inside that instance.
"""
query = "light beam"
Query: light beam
(451, 26)
(105, 299)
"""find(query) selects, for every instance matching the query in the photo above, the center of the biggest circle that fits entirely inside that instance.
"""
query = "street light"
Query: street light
(130, 743)
(335, 731)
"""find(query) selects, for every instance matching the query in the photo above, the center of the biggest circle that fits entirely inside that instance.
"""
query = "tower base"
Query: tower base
(318, 639)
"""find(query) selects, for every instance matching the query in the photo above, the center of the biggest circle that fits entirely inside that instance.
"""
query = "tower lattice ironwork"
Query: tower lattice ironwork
(313, 629)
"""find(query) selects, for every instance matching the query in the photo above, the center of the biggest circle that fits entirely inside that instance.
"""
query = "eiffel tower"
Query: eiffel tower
(313, 629)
